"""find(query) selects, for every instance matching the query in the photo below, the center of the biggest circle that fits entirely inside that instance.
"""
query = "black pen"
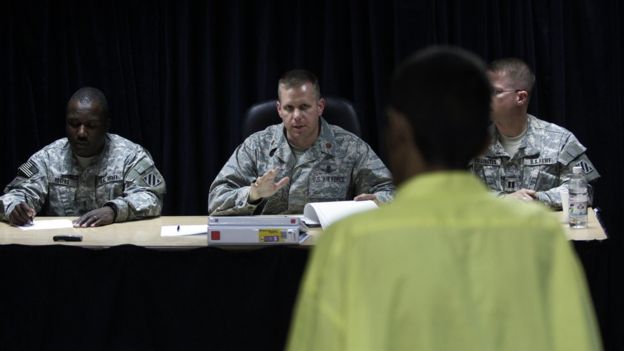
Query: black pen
(178, 228)
(68, 237)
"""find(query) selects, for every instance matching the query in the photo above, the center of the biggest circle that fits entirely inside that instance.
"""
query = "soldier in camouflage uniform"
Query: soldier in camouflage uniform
(100, 177)
(311, 160)
(528, 158)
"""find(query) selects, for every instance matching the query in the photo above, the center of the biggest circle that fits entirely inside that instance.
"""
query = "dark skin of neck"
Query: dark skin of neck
(406, 160)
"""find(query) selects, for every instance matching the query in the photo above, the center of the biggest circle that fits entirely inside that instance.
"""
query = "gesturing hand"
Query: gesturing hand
(95, 218)
(265, 186)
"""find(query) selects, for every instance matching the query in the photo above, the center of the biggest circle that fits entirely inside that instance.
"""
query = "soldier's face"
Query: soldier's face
(86, 128)
(300, 110)
(504, 95)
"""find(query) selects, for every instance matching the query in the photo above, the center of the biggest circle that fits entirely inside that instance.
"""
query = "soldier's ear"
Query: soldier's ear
(321, 106)
(522, 97)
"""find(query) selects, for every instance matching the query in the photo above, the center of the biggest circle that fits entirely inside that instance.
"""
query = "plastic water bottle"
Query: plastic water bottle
(577, 212)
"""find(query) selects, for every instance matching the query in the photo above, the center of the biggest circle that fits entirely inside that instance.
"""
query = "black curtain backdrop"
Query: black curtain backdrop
(179, 76)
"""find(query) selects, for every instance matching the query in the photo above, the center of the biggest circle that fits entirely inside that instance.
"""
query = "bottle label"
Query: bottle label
(578, 205)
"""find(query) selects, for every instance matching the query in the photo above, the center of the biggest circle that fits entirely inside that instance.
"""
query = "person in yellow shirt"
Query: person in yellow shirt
(446, 265)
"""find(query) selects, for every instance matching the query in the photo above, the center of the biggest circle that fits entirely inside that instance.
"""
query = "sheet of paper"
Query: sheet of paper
(181, 230)
(48, 224)
(327, 213)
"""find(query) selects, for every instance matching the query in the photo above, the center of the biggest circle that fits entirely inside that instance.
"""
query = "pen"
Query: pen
(68, 237)
(178, 228)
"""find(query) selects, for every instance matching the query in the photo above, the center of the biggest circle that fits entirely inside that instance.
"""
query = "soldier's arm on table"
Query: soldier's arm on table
(144, 190)
(572, 155)
(29, 187)
(523, 194)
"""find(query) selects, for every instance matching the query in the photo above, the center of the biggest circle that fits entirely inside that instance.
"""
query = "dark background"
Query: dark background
(179, 76)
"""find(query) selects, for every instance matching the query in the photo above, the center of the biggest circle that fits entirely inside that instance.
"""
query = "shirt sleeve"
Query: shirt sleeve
(372, 176)
(230, 190)
(143, 191)
(29, 186)
(319, 318)
(572, 320)
(572, 155)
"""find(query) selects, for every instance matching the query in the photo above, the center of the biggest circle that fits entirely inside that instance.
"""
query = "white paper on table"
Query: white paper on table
(181, 230)
(48, 224)
(327, 213)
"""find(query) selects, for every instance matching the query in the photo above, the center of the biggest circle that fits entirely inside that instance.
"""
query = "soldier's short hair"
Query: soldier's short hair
(298, 77)
(516, 69)
(445, 95)
(90, 95)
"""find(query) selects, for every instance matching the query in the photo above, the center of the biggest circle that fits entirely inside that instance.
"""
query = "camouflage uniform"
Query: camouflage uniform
(542, 163)
(123, 174)
(338, 166)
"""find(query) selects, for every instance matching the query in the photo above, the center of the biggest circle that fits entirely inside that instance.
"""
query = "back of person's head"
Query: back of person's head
(92, 96)
(444, 94)
(517, 70)
(298, 77)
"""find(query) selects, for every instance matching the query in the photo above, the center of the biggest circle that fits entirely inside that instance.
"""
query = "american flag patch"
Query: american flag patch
(28, 169)
(152, 179)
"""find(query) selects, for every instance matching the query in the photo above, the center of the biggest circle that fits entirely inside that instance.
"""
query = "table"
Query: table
(115, 296)
(126, 287)
(146, 233)
(594, 230)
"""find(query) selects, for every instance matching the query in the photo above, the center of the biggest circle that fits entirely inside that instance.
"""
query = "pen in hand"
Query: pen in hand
(31, 217)
(22, 214)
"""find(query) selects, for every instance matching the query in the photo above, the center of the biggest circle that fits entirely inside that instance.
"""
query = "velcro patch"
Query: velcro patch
(152, 179)
(28, 169)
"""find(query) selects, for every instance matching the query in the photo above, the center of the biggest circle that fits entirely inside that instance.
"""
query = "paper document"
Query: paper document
(48, 224)
(326, 213)
(180, 230)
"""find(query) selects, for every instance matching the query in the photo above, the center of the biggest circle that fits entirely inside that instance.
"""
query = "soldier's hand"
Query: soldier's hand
(265, 186)
(21, 214)
(364, 197)
(524, 194)
(95, 218)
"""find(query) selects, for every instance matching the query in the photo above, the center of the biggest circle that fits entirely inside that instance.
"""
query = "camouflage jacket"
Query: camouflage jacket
(338, 166)
(542, 163)
(53, 180)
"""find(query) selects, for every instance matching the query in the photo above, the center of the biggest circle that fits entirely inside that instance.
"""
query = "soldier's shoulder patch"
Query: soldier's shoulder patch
(28, 169)
(152, 179)
(587, 168)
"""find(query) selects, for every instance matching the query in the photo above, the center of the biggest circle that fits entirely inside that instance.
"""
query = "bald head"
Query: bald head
(88, 96)
(87, 121)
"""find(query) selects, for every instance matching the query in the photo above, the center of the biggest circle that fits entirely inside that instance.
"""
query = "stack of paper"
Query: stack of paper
(326, 213)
